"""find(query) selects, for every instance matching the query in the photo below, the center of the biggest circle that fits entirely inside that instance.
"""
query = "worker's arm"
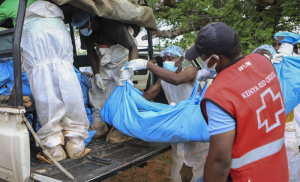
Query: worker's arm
(87, 43)
(3, 17)
(8, 10)
(93, 57)
(218, 161)
(153, 91)
(123, 37)
(221, 128)
(185, 76)
(133, 52)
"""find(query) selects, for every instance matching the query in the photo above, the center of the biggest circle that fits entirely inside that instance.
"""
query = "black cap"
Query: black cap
(214, 38)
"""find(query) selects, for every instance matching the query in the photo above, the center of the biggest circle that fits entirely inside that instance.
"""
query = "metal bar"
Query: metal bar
(73, 39)
(17, 54)
(150, 45)
(143, 50)
(4, 32)
(198, 64)
(7, 52)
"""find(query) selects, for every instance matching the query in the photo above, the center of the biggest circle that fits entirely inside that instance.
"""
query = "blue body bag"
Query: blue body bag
(132, 114)
(288, 74)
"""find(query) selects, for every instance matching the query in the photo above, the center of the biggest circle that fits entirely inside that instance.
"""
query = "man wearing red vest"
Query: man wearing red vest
(244, 109)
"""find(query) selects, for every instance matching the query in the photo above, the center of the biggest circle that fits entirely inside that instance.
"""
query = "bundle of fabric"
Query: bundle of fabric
(132, 114)
(85, 86)
(127, 11)
(7, 78)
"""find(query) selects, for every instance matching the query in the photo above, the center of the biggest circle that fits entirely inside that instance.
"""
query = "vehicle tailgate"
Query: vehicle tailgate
(122, 156)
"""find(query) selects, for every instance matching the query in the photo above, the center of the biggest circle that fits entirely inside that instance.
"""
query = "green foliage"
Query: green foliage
(256, 23)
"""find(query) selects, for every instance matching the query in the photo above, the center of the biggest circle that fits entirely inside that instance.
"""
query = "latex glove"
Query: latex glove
(99, 82)
(203, 75)
(126, 75)
(172, 104)
(285, 49)
(277, 58)
(137, 64)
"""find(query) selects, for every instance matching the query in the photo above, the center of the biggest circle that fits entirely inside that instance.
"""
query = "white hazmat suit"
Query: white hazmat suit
(48, 61)
(111, 61)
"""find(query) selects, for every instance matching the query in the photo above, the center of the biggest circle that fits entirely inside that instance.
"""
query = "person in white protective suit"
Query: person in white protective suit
(119, 38)
(48, 61)
(292, 131)
(177, 83)
(111, 61)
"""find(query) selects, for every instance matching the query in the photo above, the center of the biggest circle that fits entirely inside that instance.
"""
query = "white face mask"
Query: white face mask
(86, 32)
(212, 69)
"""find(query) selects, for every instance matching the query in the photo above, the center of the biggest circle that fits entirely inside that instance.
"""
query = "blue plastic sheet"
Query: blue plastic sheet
(91, 134)
(133, 115)
(7, 79)
(85, 86)
(289, 37)
(288, 75)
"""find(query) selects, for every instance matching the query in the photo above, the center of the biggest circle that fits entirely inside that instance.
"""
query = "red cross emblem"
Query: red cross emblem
(268, 118)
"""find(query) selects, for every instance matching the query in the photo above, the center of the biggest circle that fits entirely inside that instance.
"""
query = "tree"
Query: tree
(256, 21)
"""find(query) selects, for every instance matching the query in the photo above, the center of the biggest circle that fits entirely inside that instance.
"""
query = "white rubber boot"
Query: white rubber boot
(56, 152)
(75, 147)
(100, 127)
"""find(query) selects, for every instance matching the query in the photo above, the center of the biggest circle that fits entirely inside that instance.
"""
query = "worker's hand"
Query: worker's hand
(172, 104)
(285, 49)
(137, 64)
(99, 82)
(126, 75)
(277, 58)
(203, 75)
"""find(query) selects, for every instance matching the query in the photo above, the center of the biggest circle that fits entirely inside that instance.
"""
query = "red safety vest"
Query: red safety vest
(249, 91)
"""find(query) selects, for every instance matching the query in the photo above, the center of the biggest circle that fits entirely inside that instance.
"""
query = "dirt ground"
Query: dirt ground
(157, 170)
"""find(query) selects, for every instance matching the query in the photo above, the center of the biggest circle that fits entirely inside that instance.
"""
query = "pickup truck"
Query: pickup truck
(18, 161)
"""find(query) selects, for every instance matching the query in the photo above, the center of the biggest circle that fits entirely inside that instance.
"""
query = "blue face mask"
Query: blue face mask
(170, 65)
(86, 32)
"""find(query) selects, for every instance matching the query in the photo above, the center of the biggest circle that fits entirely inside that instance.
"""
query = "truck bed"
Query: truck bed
(122, 156)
